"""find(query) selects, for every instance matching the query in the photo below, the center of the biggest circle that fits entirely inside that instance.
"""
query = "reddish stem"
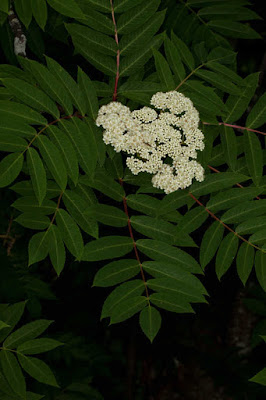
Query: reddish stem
(117, 54)
(134, 242)
(237, 127)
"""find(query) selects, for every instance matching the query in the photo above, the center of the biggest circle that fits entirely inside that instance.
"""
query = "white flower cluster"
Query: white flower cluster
(153, 139)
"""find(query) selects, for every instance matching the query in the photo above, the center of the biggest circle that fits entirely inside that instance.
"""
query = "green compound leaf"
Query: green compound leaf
(68, 153)
(214, 182)
(155, 228)
(70, 233)
(10, 167)
(163, 70)
(245, 261)
(107, 247)
(128, 289)
(161, 251)
(53, 160)
(26, 332)
(37, 174)
(13, 373)
(116, 272)
(69, 8)
(57, 251)
(150, 322)
(37, 346)
(226, 254)
(38, 370)
(77, 206)
(171, 302)
(31, 96)
(38, 247)
(210, 242)
(254, 158)
(134, 18)
(69, 84)
(244, 211)
(107, 215)
(127, 308)
(231, 197)
(86, 87)
(33, 220)
(260, 262)
(39, 10)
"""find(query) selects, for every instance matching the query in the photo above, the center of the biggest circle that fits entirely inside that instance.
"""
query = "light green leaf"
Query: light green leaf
(134, 18)
(116, 272)
(70, 233)
(245, 261)
(163, 252)
(229, 143)
(38, 370)
(226, 254)
(174, 59)
(19, 113)
(214, 182)
(135, 40)
(104, 184)
(251, 225)
(260, 377)
(231, 197)
(12, 143)
(86, 87)
(53, 160)
(68, 153)
(76, 206)
(184, 51)
(237, 105)
(24, 11)
(37, 346)
(233, 29)
(38, 247)
(13, 373)
(57, 251)
(127, 308)
(150, 322)
(245, 210)
(29, 204)
(192, 220)
(26, 332)
(218, 81)
(126, 290)
(107, 247)
(37, 174)
(69, 8)
(31, 96)
(39, 10)
(171, 302)
(10, 167)
(33, 220)
(253, 153)
(107, 215)
(260, 268)
(69, 84)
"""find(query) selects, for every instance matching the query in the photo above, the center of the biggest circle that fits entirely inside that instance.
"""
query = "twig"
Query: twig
(117, 54)
(20, 39)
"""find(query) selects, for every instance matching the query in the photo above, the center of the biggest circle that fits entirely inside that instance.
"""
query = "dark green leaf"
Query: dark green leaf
(39, 10)
(107, 247)
(87, 88)
(116, 272)
(10, 167)
(226, 254)
(231, 197)
(127, 308)
(134, 18)
(163, 70)
(67, 7)
(38, 247)
(26, 332)
(37, 346)
(171, 302)
(12, 143)
(245, 261)
(70, 233)
(150, 322)
(29, 204)
(245, 210)
(108, 215)
(260, 262)
(104, 184)
(37, 174)
(33, 220)
(253, 153)
(38, 370)
(57, 251)
(13, 373)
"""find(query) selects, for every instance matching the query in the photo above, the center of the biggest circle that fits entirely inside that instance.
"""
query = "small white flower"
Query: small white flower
(149, 137)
